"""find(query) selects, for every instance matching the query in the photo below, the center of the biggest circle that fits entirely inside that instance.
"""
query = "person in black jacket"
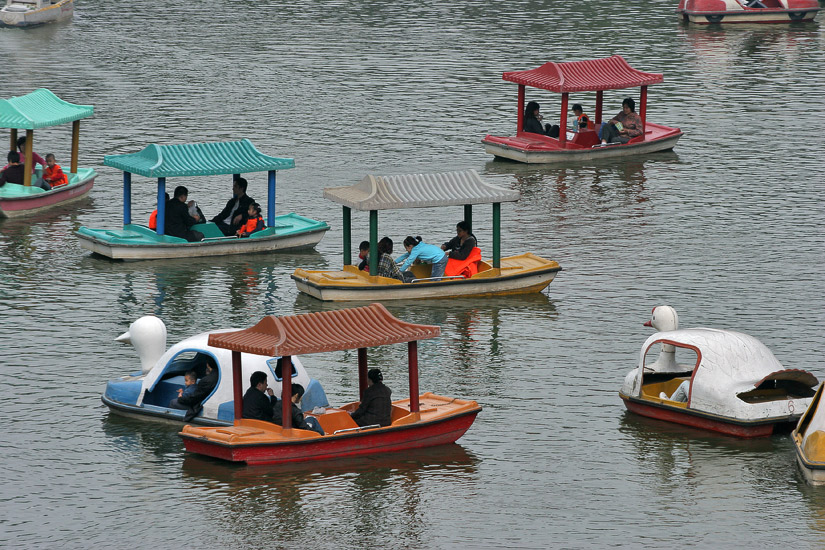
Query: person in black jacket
(376, 406)
(298, 420)
(259, 400)
(202, 391)
(234, 214)
(178, 221)
(532, 121)
(462, 244)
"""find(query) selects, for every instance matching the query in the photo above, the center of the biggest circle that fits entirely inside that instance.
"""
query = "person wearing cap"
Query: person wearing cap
(376, 405)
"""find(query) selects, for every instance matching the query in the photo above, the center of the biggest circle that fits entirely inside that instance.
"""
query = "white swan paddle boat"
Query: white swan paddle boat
(705, 12)
(809, 440)
(731, 383)
(31, 13)
(146, 393)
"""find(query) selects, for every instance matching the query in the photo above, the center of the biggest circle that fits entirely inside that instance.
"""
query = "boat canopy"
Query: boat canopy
(197, 159)
(419, 191)
(40, 109)
(590, 75)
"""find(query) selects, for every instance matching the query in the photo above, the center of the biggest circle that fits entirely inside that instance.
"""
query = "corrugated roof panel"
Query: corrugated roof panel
(352, 328)
(419, 191)
(40, 109)
(197, 159)
(590, 75)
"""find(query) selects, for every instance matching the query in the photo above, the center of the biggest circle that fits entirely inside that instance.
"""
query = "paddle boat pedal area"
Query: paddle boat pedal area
(138, 242)
(422, 420)
(30, 13)
(523, 273)
(705, 12)
(576, 145)
(809, 440)
(146, 393)
(731, 383)
(41, 109)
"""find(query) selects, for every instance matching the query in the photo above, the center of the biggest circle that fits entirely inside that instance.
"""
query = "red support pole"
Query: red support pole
(563, 123)
(237, 384)
(412, 352)
(520, 108)
(599, 102)
(362, 372)
(643, 107)
(286, 392)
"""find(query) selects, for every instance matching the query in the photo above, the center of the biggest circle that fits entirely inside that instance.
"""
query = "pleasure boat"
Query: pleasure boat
(30, 13)
(705, 12)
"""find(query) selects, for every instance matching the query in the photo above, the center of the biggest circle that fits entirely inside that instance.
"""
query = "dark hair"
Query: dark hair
(463, 225)
(180, 190)
(385, 246)
(211, 362)
(257, 208)
(21, 141)
(375, 375)
(412, 241)
(256, 378)
(577, 107)
(279, 367)
(298, 389)
(530, 109)
(191, 373)
(365, 245)
(630, 103)
(13, 156)
(50, 155)
(242, 184)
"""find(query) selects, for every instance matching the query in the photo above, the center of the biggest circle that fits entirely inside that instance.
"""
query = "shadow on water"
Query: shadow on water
(141, 438)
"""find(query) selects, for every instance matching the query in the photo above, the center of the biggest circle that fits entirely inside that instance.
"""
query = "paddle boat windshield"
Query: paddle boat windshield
(719, 380)
(147, 393)
(471, 277)
(42, 109)
(574, 143)
(422, 420)
(30, 13)
(809, 440)
(139, 242)
(705, 12)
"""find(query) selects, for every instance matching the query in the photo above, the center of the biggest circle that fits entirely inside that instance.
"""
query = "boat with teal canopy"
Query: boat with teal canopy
(139, 242)
(42, 109)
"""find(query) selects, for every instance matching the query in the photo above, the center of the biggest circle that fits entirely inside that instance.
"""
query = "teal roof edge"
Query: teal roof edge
(40, 109)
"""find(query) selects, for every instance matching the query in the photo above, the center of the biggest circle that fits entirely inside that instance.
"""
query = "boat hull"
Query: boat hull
(25, 205)
(17, 15)
(157, 414)
(705, 421)
(813, 471)
(750, 16)
(501, 149)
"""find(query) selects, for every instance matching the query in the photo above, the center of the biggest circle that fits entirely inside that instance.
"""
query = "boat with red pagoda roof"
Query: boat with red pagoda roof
(705, 12)
(422, 420)
(591, 75)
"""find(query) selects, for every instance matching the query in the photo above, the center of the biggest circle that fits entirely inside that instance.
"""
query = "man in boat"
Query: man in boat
(376, 405)
(178, 221)
(624, 126)
(234, 213)
(14, 171)
(259, 401)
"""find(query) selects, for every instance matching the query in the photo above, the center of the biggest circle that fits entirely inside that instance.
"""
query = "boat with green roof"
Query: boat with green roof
(138, 242)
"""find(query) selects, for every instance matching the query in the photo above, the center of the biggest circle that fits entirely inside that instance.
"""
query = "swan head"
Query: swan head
(663, 318)
(148, 336)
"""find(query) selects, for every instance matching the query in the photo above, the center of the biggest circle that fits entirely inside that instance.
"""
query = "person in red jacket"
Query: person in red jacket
(53, 174)
(254, 222)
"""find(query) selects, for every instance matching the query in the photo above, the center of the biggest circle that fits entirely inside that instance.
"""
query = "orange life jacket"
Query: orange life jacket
(590, 124)
(54, 176)
(250, 226)
(466, 268)
(153, 220)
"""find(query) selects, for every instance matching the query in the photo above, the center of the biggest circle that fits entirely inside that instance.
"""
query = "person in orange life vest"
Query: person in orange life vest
(153, 217)
(36, 159)
(254, 222)
(583, 122)
(363, 253)
(53, 174)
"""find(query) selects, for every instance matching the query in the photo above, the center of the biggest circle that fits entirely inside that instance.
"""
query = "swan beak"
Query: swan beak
(648, 324)
(126, 338)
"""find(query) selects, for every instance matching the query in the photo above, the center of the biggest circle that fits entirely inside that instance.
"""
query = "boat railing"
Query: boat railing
(424, 279)
(220, 238)
(358, 429)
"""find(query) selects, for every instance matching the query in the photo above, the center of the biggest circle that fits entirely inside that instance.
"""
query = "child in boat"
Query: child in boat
(363, 253)
(153, 217)
(425, 253)
(254, 222)
(53, 174)
(190, 379)
(583, 122)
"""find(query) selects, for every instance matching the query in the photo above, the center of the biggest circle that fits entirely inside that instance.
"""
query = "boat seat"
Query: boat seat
(586, 138)
(334, 420)
(165, 391)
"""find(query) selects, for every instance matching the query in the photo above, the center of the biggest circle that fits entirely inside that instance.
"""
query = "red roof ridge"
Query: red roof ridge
(588, 75)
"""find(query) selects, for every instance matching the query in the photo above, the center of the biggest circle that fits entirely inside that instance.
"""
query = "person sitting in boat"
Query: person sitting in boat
(13, 172)
(233, 215)
(583, 122)
(254, 221)
(622, 127)
(178, 220)
(36, 159)
(53, 174)
(386, 264)
(190, 380)
(259, 401)
(153, 217)
(376, 405)
(462, 244)
(532, 122)
(363, 254)
(681, 393)
(418, 251)
(298, 420)
(202, 390)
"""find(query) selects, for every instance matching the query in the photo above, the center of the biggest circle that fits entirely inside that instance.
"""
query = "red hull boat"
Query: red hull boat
(705, 12)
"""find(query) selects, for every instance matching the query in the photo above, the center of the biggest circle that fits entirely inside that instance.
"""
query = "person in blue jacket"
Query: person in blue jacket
(425, 253)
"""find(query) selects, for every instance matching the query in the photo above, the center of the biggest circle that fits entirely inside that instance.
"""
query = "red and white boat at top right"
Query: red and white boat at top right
(705, 12)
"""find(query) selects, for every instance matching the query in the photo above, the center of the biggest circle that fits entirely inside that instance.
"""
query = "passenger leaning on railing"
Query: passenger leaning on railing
(425, 253)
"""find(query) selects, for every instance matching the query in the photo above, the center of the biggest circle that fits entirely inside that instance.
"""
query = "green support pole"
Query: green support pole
(347, 235)
(468, 215)
(373, 242)
(497, 234)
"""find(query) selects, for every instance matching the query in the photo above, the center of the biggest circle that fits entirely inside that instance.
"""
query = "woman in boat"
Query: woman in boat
(462, 244)
(36, 159)
(386, 264)
(425, 253)
(298, 420)
(532, 121)
(376, 405)
(629, 122)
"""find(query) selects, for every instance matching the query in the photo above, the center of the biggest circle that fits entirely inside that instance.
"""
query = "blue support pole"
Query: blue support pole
(161, 206)
(270, 207)
(127, 198)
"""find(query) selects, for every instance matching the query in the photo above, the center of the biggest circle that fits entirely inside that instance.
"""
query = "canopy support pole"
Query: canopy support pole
(520, 108)
(563, 122)
(468, 215)
(29, 162)
(127, 198)
(161, 206)
(643, 108)
(75, 144)
(237, 384)
(13, 136)
(599, 102)
(496, 235)
(286, 392)
(412, 353)
(347, 235)
(270, 205)
(362, 372)
(373, 239)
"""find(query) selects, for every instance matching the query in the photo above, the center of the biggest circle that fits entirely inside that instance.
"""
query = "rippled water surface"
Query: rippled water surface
(727, 228)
